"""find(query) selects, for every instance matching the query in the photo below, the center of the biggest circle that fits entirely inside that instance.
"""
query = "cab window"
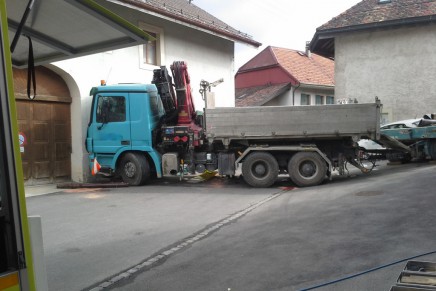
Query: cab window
(156, 106)
(111, 109)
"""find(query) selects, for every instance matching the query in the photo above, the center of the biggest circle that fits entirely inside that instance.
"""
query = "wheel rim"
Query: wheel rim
(308, 169)
(259, 169)
(130, 169)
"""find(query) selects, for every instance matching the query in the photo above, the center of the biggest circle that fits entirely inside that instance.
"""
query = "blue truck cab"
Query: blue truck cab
(120, 132)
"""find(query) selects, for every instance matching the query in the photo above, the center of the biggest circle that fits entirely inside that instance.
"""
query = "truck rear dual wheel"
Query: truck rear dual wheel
(307, 169)
(134, 169)
(260, 169)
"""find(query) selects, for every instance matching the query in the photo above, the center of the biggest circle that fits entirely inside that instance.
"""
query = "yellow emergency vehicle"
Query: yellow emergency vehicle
(106, 31)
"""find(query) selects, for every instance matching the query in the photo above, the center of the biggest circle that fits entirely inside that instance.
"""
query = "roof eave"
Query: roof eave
(193, 24)
(257, 69)
(323, 40)
(317, 86)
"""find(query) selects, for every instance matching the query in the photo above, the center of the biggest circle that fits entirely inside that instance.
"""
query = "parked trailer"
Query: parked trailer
(160, 135)
(417, 143)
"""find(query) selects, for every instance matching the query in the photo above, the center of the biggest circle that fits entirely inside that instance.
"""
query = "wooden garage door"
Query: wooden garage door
(47, 152)
(46, 124)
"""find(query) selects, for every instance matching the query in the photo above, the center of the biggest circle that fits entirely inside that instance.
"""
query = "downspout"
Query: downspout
(293, 94)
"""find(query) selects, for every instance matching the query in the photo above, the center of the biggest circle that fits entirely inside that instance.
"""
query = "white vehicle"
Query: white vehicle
(368, 144)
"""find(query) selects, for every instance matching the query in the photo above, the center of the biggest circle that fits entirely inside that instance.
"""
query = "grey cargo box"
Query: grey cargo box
(294, 122)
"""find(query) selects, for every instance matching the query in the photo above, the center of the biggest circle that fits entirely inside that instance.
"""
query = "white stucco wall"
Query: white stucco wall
(397, 65)
(293, 96)
(208, 57)
(282, 100)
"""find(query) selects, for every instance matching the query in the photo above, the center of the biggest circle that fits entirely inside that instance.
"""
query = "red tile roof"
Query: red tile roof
(300, 68)
(316, 70)
(184, 11)
(371, 11)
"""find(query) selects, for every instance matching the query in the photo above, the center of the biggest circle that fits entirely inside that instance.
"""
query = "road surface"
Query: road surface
(143, 238)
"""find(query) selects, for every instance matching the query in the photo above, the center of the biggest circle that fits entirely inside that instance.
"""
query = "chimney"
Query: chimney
(308, 53)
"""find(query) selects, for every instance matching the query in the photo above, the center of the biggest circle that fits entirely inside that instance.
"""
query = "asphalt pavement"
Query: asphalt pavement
(90, 234)
(223, 235)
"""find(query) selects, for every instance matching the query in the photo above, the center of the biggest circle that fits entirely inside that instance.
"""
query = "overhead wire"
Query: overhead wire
(365, 272)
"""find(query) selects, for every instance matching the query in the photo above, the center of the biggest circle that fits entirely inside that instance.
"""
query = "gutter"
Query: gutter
(293, 93)
(316, 86)
(257, 69)
(192, 22)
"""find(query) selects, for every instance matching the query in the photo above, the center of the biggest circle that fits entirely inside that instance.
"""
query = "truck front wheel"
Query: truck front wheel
(134, 169)
(307, 169)
(260, 169)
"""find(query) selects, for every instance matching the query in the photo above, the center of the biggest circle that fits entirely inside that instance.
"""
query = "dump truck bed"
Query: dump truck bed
(294, 122)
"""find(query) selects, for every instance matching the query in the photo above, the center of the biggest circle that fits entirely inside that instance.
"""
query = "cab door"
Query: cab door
(110, 128)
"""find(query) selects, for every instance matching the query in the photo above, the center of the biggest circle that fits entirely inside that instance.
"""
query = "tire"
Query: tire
(260, 169)
(432, 149)
(307, 169)
(134, 169)
(398, 157)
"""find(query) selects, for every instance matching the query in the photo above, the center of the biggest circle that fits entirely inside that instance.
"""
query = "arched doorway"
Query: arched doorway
(45, 124)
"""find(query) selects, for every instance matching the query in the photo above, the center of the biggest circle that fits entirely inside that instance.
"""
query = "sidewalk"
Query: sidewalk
(41, 190)
(53, 188)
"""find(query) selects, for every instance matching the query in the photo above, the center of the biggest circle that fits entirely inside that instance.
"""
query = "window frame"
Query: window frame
(329, 97)
(307, 96)
(321, 97)
(159, 55)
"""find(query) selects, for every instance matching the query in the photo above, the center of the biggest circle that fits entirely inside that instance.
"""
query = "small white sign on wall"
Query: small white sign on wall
(23, 141)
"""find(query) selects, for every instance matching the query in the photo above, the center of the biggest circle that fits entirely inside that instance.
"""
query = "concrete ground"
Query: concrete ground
(308, 237)
(247, 239)
(91, 234)
(41, 190)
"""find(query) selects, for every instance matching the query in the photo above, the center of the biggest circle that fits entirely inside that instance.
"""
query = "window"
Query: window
(305, 99)
(330, 100)
(149, 50)
(319, 99)
(111, 109)
(151, 53)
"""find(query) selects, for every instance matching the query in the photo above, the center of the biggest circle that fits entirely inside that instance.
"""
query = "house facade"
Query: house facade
(384, 49)
(280, 76)
(180, 31)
